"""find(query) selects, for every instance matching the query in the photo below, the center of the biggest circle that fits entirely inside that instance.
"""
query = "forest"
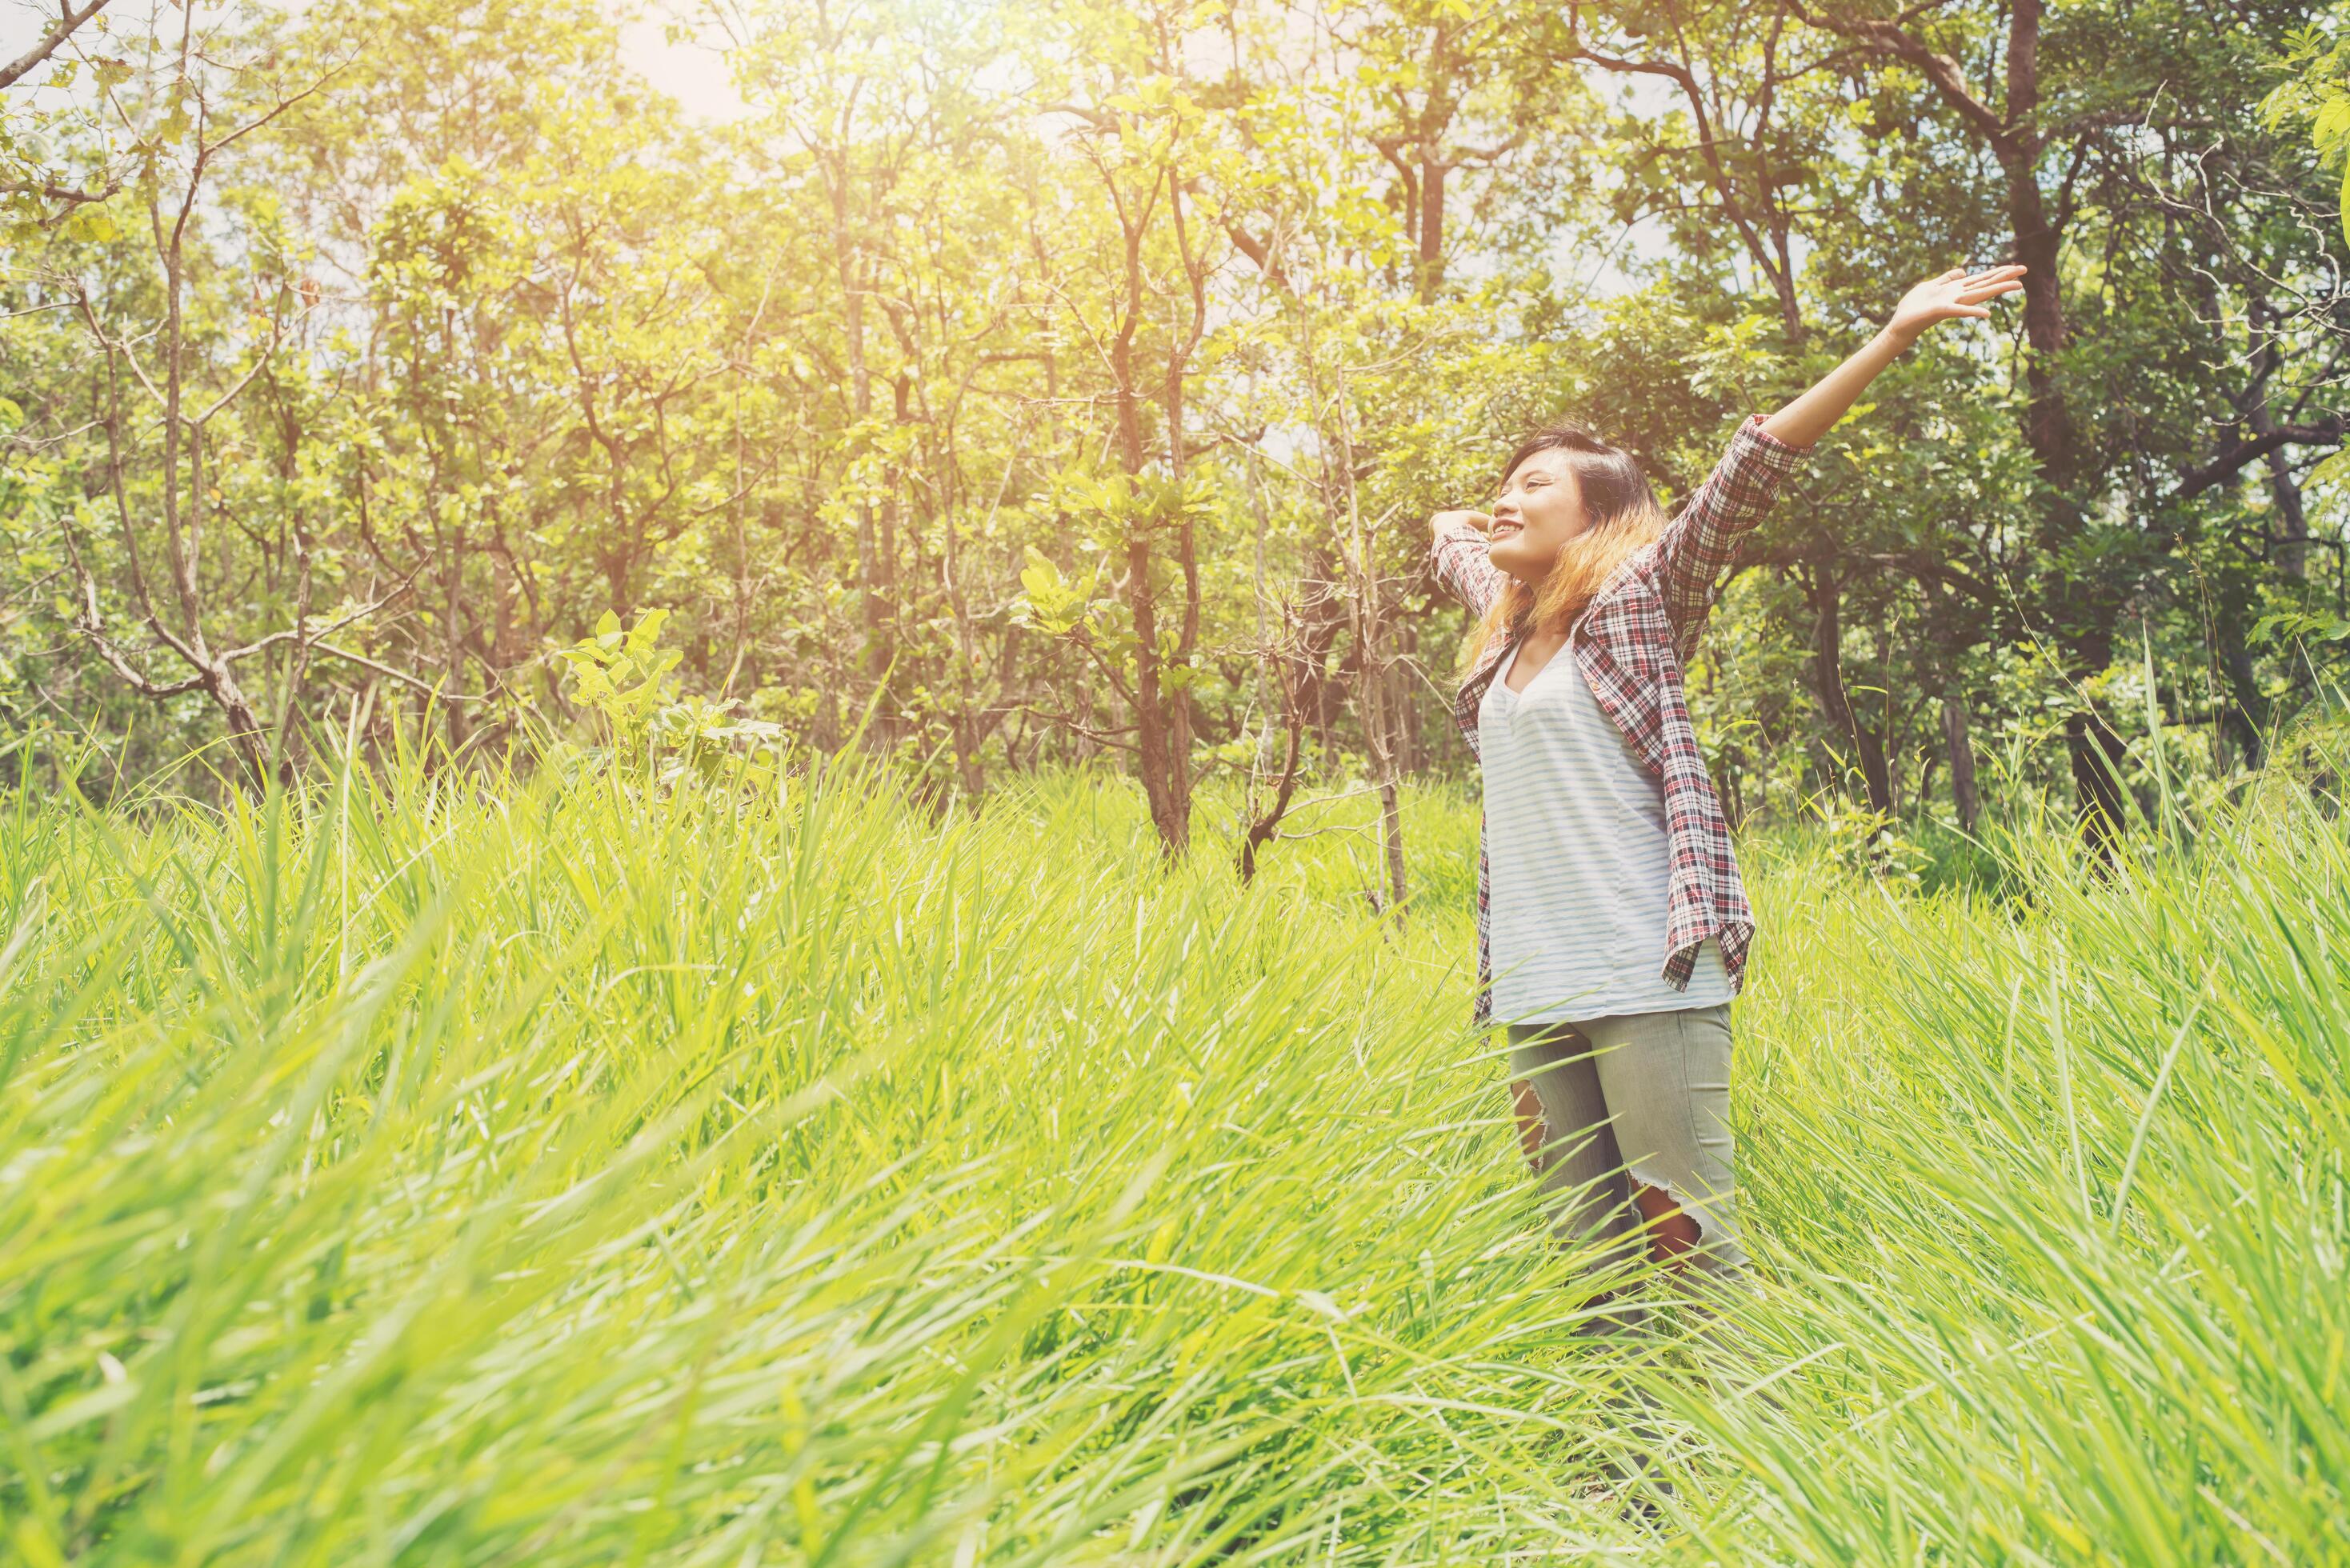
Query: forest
(737, 830)
(1016, 385)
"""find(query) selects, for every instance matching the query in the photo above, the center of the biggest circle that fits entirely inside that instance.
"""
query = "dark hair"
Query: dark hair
(1608, 477)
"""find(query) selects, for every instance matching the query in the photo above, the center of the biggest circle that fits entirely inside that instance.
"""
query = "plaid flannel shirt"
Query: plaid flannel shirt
(1631, 642)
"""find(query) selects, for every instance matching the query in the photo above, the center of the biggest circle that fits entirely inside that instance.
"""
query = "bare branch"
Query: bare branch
(1939, 68)
(68, 21)
(386, 670)
(290, 633)
(2321, 432)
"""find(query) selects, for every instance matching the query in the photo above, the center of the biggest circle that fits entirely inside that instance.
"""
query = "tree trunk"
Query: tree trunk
(247, 729)
(872, 559)
(1828, 680)
(1152, 732)
(2017, 147)
(1391, 832)
(2048, 418)
(2096, 752)
(453, 652)
(1380, 735)
(1265, 827)
(1964, 792)
(1432, 226)
(966, 720)
(2244, 715)
(1322, 612)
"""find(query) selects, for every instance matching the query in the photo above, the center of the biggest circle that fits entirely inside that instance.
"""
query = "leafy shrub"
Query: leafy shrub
(623, 678)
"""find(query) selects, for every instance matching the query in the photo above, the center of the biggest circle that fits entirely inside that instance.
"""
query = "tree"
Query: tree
(196, 367)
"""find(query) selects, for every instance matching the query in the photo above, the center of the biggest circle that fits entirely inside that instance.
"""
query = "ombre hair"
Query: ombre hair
(1620, 515)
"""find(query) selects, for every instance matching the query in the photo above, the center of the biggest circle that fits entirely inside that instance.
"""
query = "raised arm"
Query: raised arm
(1697, 544)
(1957, 295)
(1698, 541)
(1456, 555)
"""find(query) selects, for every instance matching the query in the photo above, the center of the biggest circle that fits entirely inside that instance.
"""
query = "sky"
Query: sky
(691, 75)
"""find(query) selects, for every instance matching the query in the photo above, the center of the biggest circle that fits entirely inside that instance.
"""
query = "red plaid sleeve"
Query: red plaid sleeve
(1697, 544)
(1458, 559)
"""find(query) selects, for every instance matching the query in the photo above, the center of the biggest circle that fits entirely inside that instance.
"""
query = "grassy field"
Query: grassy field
(429, 1175)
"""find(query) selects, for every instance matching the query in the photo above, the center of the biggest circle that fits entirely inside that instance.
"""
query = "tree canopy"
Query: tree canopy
(1020, 384)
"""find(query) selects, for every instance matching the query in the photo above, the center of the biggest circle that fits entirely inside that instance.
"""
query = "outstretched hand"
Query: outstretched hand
(1957, 292)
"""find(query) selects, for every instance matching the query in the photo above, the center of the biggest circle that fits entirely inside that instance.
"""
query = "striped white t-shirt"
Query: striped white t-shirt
(1574, 832)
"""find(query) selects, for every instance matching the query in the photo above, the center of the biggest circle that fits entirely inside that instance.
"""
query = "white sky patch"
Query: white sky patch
(21, 27)
(691, 70)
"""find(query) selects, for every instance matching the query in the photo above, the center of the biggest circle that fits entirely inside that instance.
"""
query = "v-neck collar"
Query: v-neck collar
(1501, 676)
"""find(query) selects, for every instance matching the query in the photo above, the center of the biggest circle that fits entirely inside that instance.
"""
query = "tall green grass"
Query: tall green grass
(427, 1172)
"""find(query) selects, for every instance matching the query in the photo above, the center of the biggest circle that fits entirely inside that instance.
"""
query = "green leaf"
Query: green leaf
(92, 221)
(1042, 577)
(642, 636)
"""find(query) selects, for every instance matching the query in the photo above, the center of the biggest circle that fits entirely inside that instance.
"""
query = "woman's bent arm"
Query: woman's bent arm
(1457, 557)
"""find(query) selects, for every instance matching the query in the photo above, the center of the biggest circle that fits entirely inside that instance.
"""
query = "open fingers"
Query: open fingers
(1975, 294)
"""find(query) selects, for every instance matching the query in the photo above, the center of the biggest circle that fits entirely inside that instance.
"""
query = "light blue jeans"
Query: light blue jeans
(1640, 1099)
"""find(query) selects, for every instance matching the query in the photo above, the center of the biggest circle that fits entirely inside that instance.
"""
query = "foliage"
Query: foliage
(1870, 842)
(620, 675)
(479, 336)
(2319, 95)
(624, 680)
(723, 1151)
(1053, 605)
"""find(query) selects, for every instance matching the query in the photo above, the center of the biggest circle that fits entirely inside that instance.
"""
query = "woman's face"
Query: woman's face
(1539, 510)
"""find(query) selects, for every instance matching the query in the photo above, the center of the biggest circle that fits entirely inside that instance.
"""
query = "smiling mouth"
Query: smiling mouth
(1502, 531)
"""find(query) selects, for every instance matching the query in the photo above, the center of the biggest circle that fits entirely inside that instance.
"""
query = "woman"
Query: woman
(1612, 925)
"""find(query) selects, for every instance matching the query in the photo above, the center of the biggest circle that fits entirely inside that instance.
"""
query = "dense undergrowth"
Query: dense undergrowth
(420, 1172)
